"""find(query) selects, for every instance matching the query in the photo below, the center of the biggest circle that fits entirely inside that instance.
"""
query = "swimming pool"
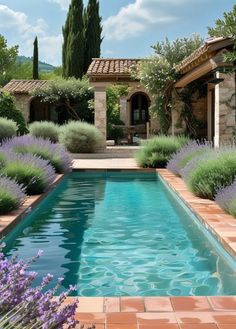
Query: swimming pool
(118, 233)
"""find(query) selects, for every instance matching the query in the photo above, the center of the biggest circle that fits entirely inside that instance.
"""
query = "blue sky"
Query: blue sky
(130, 26)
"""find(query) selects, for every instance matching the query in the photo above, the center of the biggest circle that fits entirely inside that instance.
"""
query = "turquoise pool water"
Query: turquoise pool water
(122, 234)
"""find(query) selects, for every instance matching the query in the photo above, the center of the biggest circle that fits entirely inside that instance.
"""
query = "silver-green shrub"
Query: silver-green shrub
(80, 137)
(8, 129)
(45, 130)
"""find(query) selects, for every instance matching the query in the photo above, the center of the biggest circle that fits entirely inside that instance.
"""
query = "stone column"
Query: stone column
(224, 109)
(123, 110)
(101, 111)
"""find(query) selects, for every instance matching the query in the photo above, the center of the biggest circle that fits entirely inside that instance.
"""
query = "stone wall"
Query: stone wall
(225, 100)
(22, 103)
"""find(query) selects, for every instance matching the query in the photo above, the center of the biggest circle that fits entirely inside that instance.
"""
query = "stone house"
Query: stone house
(214, 108)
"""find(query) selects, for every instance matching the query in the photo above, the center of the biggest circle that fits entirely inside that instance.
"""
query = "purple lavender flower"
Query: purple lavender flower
(27, 307)
(226, 198)
(12, 194)
(55, 153)
(30, 160)
(189, 151)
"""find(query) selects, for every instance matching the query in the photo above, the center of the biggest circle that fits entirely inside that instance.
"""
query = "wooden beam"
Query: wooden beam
(201, 70)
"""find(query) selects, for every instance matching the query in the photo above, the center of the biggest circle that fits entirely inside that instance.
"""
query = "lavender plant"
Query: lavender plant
(188, 152)
(226, 198)
(24, 307)
(45, 149)
(12, 195)
(213, 173)
(33, 172)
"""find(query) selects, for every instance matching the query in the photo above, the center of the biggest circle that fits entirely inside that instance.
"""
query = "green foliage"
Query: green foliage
(28, 175)
(7, 201)
(74, 94)
(114, 93)
(213, 173)
(17, 71)
(92, 33)
(45, 129)
(52, 75)
(8, 129)
(73, 45)
(80, 137)
(36, 60)
(226, 27)
(9, 111)
(158, 74)
(7, 55)
(157, 151)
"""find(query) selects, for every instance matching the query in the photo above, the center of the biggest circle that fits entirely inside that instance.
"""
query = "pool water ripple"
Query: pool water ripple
(122, 234)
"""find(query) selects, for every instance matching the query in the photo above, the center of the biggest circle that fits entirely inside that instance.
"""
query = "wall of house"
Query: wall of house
(22, 102)
(225, 109)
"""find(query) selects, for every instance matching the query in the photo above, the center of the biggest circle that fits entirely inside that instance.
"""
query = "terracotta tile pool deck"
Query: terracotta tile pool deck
(155, 312)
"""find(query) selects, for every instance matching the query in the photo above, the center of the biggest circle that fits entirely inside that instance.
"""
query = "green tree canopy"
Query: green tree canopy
(158, 73)
(7, 55)
(73, 45)
(92, 33)
(226, 27)
(36, 60)
(69, 93)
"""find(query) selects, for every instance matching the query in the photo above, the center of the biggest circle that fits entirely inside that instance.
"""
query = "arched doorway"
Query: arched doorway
(139, 109)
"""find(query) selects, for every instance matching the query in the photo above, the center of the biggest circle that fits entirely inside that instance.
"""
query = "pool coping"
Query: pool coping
(214, 219)
(155, 312)
(10, 220)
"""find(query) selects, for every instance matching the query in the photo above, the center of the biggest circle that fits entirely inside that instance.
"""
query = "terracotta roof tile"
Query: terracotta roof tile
(111, 66)
(24, 86)
(203, 53)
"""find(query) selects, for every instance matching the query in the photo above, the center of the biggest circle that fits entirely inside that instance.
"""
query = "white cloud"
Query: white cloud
(64, 4)
(137, 17)
(15, 20)
(21, 31)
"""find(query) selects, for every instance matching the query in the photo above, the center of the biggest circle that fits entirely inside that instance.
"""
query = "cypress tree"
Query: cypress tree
(73, 45)
(36, 60)
(92, 33)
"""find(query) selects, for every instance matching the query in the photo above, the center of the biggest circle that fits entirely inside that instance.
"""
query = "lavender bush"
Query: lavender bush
(226, 198)
(188, 152)
(213, 173)
(12, 195)
(45, 149)
(33, 172)
(24, 307)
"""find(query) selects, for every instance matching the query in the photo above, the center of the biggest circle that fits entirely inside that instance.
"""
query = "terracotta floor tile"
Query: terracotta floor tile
(198, 326)
(155, 318)
(112, 304)
(190, 304)
(90, 305)
(121, 318)
(226, 326)
(121, 326)
(90, 317)
(157, 304)
(132, 304)
(223, 303)
(225, 317)
(159, 326)
(194, 317)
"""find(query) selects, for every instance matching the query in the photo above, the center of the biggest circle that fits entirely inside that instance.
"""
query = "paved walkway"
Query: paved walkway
(114, 163)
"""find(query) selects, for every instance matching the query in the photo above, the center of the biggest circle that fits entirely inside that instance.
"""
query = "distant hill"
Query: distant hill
(43, 67)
